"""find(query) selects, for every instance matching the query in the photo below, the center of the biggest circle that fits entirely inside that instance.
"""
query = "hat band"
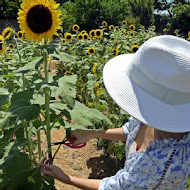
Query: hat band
(164, 94)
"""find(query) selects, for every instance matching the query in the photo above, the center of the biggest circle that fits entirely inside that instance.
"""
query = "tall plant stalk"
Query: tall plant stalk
(24, 122)
(47, 103)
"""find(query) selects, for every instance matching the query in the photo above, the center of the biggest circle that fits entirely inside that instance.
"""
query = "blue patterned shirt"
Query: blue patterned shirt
(143, 169)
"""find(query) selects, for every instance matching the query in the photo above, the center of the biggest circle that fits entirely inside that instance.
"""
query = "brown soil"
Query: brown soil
(87, 162)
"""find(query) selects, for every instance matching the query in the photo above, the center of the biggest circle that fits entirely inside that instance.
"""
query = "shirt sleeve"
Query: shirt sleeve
(130, 125)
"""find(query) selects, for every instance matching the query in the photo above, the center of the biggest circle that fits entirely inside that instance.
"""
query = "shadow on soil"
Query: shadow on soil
(103, 166)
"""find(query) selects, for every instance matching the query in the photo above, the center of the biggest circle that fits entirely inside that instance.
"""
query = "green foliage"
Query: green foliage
(90, 14)
(144, 10)
(180, 19)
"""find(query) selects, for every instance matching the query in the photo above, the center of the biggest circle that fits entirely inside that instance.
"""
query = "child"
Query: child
(153, 86)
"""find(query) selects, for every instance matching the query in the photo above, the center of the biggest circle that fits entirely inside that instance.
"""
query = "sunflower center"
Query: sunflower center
(19, 34)
(135, 49)
(7, 33)
(91, 51)
(98, 33)
(68, 37)
(39, 19)
(85, 36)
(75, 27)
(1, 46)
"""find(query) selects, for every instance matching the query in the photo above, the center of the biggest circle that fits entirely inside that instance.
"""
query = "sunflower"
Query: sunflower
(8, 58)
(79, 36)
(131, 27)
(83, 31)
(1, 48)
(92, 33)
(68, 37)
(98, 33)
(96, 86)
(40, 19)
(1, 39)
(115, 51)
(124, 22)
(104, 24)
(11, 46)
(91, 50)
(117, 28)
(123, 31)
(132, 34)
(75, 27)
(63, 40)
(94, 68)
(85, 36)
(7, 32)
(189, 34)
(20, 35)
(111, 27)
(134, 48)
(68, 73)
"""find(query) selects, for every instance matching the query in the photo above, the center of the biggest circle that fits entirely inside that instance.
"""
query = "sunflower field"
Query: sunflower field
(36, 97)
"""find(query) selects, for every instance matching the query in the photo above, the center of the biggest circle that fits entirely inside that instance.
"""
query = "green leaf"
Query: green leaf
(4, 96)
(58, 107)
(22, 107)
(63, 57)
(25, 110)
(67, 89)
(20, 174)
(87, 116)
(31, 65)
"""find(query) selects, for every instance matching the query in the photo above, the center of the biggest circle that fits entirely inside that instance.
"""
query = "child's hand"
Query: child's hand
(82, 136)
(53, 171)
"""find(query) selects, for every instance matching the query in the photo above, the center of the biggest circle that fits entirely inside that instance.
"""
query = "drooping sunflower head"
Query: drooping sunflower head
(11, 46)
(124, 22)
(1, 39)
(98, 33)
(79, 36)
(85, 36)
(75, 27)
(91, 50)
(115, 52)
(131, 27)
(7, 32)
(1, 48)
(104, 24)
(94, 68)
(68, 37)
(111, 27)
(134, 48)
(92, 33)
(123, 31)
(40, 19)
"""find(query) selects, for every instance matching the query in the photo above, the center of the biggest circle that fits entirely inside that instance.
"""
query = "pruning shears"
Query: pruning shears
(69, 142)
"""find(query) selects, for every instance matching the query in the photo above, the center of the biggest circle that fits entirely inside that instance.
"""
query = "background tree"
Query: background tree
(144, 10)
(89, 14)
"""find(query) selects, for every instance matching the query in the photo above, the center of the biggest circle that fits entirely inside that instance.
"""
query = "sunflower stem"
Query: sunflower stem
(29, 142)
(39, 144)
(47, 103)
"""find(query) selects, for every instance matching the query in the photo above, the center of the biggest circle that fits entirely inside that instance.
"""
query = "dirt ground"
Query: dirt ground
(88, 162)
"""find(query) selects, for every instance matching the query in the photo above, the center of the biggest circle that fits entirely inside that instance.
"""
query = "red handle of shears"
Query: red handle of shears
(69, 143)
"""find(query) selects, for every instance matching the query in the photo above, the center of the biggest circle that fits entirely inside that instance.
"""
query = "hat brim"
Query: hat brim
(136, 102)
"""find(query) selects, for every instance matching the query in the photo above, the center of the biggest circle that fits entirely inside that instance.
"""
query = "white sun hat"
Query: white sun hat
(153, 85)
